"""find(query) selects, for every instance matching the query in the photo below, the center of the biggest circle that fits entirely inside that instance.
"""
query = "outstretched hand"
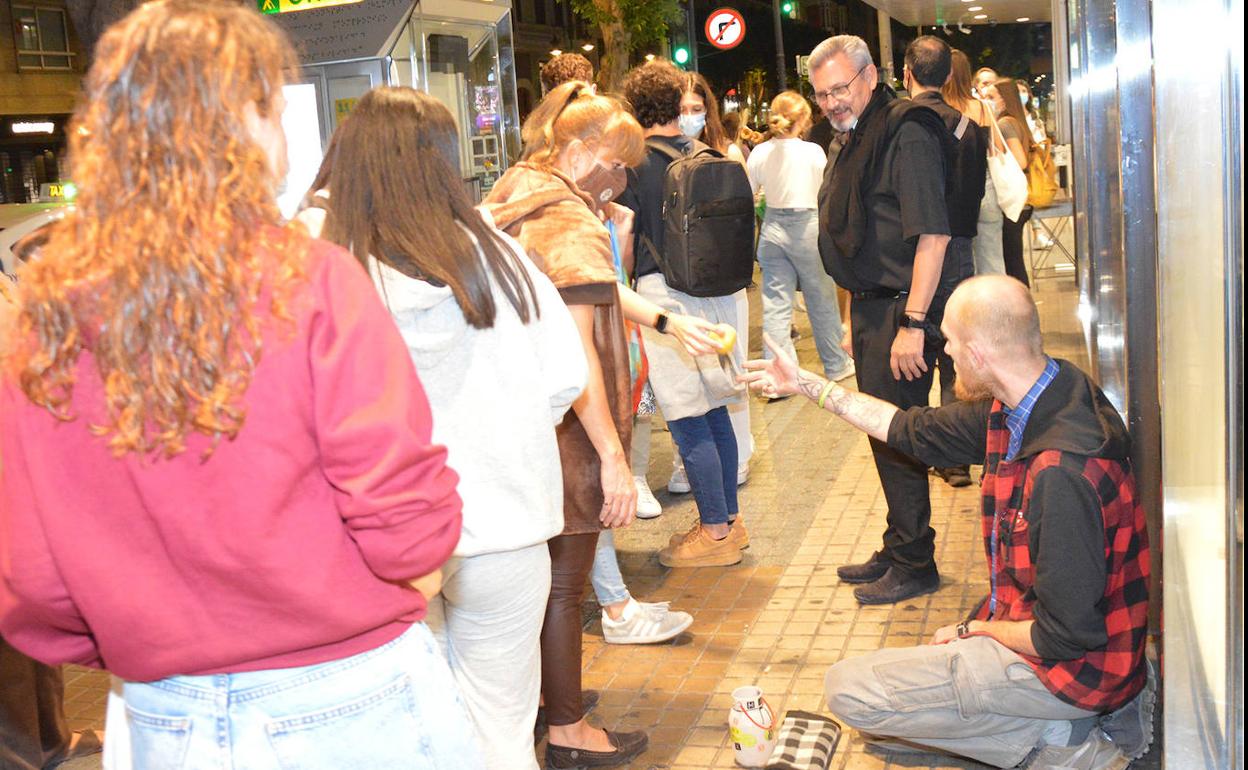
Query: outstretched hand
(772, 378)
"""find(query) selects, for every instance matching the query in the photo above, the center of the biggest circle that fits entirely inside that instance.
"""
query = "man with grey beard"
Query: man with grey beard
(883, 229)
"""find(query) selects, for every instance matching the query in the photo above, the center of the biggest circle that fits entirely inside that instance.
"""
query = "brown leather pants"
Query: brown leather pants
(33, 732)
(571, 557)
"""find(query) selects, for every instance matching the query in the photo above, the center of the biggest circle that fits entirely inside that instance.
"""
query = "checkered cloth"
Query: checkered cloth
(806, 742)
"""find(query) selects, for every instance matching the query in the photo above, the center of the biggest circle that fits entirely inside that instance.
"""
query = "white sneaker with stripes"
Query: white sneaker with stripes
(644, 623)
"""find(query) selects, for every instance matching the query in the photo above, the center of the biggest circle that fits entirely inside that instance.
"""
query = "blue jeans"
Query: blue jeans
(708, 448)
(394, 707)
(605, 576)
(788, 252)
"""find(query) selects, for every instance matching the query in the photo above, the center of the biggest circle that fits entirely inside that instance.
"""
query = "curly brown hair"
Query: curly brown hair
(565, 67)
(159, 271)
(653, 91)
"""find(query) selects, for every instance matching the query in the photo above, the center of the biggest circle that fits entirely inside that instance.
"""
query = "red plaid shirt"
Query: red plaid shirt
(1106, 678)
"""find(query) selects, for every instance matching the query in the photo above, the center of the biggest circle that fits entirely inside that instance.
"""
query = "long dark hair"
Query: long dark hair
(400, 200)
(1014, 108)
(713, 135)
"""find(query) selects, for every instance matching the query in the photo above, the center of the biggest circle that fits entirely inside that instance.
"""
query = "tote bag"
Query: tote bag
(1007, 176)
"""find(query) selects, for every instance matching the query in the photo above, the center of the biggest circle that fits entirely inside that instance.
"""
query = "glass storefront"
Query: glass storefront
(459, 51)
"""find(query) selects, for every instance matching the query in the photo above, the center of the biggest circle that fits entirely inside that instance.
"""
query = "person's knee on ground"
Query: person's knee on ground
(843, 688)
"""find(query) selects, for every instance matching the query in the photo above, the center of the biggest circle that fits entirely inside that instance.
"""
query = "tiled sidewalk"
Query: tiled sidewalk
(778, 619)
(781, 617)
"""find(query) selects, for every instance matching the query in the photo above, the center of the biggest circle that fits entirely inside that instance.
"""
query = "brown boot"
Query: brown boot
(699, 549)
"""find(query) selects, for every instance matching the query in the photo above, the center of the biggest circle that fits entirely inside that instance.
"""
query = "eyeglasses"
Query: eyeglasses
(838, 92)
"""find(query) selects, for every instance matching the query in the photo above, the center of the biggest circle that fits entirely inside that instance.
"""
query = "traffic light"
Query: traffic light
(789, 8)
(681, 55)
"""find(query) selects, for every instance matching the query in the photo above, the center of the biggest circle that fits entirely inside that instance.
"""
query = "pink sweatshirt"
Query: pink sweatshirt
(281, 550)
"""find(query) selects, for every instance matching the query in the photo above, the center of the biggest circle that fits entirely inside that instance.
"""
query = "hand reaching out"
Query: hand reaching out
(775, 377)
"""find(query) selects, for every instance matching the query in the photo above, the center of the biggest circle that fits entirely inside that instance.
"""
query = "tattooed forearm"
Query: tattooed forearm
(867, 413)
(810, 384)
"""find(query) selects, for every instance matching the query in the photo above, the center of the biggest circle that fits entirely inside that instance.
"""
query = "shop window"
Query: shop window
(42, 38)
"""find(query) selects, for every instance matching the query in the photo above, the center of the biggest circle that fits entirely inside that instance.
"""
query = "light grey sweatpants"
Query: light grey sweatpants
(488, 620)
(973, 697)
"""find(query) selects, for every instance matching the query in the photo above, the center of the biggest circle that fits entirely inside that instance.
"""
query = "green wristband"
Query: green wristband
(823, 395)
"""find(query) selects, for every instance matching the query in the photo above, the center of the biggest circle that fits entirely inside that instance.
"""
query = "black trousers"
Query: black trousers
(1012, 245)
(33, 733)
(959, 265)
(909, 540)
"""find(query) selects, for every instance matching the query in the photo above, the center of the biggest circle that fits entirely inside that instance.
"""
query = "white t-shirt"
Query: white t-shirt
(789, 171)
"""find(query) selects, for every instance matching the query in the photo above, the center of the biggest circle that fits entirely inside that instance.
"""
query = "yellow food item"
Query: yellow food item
(725, 338)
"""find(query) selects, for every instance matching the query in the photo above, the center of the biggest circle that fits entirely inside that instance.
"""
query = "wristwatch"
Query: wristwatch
(964, 629)
(908, 322)
(660, 323)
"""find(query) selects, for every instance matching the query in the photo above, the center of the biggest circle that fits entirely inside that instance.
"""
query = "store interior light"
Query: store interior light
(981, 16)
(974, 8)
(33, 127)
(1023, 18)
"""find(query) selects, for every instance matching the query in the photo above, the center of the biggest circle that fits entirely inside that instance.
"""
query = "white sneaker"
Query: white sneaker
(678, 484)
(644, 623)
(648, 505)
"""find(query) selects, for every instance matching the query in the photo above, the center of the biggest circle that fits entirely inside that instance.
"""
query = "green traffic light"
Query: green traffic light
(681, 55)
(787, 8)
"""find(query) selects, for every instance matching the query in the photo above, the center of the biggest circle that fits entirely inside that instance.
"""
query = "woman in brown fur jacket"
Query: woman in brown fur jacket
(555, 203)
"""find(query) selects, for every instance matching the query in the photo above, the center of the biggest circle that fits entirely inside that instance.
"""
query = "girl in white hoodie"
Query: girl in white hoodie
(501, 361)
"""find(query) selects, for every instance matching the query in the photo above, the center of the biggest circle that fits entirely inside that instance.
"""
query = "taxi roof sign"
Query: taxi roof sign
(287, 6)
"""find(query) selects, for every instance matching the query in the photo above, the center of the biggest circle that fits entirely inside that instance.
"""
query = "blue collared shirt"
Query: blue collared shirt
(1016, 418)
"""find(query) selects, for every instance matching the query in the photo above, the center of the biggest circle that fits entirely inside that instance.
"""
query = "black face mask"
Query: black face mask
(603, 184)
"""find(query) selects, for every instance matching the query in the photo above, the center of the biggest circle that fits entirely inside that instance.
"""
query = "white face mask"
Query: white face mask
(692, 125)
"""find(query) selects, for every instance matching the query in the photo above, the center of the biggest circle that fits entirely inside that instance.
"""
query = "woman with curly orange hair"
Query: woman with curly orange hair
(218, 480)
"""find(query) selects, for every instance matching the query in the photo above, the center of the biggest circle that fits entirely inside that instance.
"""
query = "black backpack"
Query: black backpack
(706, 248)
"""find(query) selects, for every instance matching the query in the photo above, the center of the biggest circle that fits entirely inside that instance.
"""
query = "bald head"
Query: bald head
(997, 312)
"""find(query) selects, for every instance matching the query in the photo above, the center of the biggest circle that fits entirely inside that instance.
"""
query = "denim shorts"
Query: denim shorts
(392, 707)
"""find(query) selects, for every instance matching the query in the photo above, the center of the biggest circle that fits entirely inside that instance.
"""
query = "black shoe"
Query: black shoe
(589, 699)
(897, 585)
(868, 572)
(628, 746)
(957, 476)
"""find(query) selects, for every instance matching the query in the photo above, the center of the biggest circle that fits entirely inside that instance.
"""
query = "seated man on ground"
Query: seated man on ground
(1050, 669)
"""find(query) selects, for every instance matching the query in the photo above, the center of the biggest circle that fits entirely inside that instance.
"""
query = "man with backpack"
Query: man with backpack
(883, 229)
(928, 63)
(693, 249)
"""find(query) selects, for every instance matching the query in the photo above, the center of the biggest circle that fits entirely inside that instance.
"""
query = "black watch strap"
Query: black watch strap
(964, 629)
(660, 323)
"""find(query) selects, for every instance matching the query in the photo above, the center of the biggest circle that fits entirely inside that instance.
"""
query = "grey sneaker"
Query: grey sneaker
(845, 373)
(1131, 727)
(644, 623)
(1097, 752)
(678, 484)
